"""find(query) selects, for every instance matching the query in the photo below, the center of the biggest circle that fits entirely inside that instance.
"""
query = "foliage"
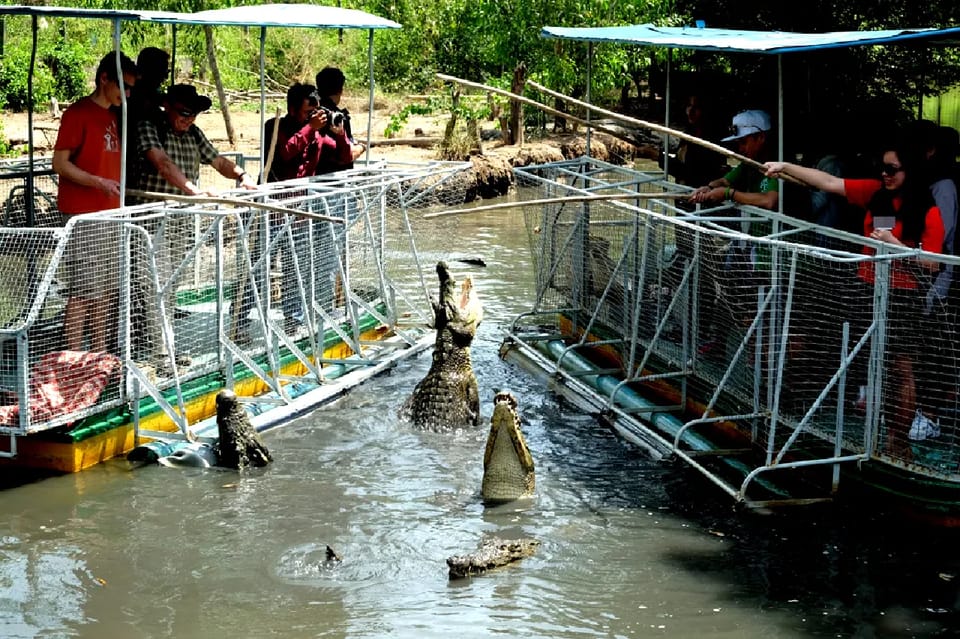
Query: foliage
(400, 118)
(15, 79)
(6, 149)
(484, 40)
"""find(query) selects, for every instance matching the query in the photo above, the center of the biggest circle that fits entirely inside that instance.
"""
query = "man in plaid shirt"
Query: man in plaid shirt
(171, 149)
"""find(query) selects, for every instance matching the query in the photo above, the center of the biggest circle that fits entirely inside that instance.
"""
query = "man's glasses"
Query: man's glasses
(890, 169)
(186, 113)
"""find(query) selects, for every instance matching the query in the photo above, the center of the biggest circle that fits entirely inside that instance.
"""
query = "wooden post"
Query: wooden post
(218, 82)
(516, 107)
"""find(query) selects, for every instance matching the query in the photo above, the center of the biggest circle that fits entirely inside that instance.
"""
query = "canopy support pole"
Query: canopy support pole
(371, 85)
(589, 82)
(263, 101)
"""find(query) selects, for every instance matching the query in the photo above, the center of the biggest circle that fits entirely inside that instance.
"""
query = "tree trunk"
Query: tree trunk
(516, 107)
(218, 82)
(452, 122)
(473, 134)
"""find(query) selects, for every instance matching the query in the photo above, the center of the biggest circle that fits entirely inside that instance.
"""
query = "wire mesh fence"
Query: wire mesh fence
(114, 306)
(803, 335)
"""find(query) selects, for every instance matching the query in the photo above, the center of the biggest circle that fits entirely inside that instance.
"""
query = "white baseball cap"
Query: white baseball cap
(748, 122)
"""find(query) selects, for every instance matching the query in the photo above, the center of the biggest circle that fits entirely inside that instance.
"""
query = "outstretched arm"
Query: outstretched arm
(814, 178)
(229, 169)
(169, 171)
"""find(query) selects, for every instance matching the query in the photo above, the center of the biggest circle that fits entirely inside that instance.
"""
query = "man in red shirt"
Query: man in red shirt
(87, 159)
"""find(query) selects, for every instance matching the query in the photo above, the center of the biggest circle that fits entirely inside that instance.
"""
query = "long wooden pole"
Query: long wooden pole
(542, 107)
(265, 172)
(232, 201)
(658, 127)
(670, 195)
(617, 116)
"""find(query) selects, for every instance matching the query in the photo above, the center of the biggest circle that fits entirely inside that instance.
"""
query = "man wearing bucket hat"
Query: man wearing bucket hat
(744, 184)
(171, 148)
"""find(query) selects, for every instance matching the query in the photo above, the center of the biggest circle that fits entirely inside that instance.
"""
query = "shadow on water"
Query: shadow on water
(834, 569)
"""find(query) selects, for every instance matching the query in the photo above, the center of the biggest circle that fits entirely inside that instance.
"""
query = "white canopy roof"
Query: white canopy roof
(263, 15)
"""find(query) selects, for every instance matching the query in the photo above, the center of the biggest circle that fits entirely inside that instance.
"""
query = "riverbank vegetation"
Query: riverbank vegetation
(484, 40)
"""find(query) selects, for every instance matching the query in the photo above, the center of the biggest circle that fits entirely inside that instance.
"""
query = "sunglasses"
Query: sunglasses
(890, 169)
(186, 113)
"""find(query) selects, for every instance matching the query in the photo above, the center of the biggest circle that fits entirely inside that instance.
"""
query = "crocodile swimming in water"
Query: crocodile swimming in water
(239, 445)
(508, 471)
(447, 397)
(492, 553)
(507, 475)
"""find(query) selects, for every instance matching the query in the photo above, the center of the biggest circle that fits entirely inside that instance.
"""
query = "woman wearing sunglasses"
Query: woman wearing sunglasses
(899, 210)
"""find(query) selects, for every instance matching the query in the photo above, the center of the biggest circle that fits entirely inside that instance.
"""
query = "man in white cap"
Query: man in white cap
(744, 184)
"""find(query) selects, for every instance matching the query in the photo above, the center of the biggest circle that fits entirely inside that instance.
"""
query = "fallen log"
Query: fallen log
(419, 142)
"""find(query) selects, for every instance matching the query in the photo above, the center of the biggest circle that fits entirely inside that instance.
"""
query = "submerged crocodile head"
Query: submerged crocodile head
(508, 471)
(447, 397)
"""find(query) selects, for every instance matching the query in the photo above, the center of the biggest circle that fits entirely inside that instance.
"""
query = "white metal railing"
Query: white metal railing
(211, 290)
(803, 336)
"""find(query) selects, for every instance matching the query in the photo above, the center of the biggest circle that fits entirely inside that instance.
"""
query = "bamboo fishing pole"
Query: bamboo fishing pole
(232, 201)
(669, 195)
(661, 129)
(542, 107)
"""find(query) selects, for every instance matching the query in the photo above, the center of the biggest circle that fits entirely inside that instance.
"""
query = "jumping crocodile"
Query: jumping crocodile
(508, 471)
(447, 398)
(238, 447)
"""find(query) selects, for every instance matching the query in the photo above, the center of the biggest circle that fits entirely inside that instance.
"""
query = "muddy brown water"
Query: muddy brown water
(629, 547)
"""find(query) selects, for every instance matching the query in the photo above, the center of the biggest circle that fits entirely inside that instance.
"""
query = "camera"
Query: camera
(334, 118)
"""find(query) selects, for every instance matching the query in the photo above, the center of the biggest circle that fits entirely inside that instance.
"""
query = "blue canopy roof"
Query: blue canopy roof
(734, 40)
(264, 15)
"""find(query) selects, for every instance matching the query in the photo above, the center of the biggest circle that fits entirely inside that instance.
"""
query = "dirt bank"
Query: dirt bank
(493, 174)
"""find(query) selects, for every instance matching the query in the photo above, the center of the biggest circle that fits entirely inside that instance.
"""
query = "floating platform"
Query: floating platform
(745, 343)
(289, 296)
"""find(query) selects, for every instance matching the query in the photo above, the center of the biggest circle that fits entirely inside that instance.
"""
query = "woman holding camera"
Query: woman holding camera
(304, 143)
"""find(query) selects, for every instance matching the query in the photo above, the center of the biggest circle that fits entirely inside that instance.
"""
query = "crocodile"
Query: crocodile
(239, 445)
(508, 471)
(492, 553)
(447, 397)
